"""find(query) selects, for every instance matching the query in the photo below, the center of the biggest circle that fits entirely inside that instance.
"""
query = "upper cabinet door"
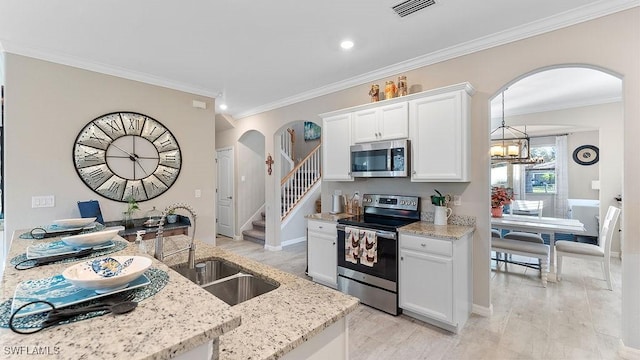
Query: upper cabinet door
(386, 122)
(365, 125)
(336, 148)
(394, 121)
(439, 132)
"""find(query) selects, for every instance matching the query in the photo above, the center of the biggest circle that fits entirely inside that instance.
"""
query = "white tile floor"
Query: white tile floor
(577, 318)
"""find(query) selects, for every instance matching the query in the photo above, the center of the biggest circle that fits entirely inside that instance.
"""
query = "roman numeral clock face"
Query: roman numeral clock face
(126, 154)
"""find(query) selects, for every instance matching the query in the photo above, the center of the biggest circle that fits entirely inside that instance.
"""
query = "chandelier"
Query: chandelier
(509, 144)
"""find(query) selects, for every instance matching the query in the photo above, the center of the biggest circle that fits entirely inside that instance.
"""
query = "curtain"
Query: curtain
(562, 181)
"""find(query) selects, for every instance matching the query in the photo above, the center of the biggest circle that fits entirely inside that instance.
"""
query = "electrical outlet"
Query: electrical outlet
(457, 200)
(43, 201)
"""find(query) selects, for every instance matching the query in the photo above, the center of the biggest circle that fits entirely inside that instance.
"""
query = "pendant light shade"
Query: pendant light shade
(509, 144)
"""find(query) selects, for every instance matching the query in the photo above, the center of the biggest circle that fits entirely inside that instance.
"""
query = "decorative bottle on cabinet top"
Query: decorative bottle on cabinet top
(390, 90)
(402, 85)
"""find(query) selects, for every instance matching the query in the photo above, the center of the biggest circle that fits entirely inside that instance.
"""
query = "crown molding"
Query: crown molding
(555, 22)
(102, 68)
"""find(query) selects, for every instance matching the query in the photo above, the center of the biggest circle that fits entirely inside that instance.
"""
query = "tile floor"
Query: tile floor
(577, 318)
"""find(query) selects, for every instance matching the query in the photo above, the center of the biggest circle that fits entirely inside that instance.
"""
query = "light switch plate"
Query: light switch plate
(43, 201)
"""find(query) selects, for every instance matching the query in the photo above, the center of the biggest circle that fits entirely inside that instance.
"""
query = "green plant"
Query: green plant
(132, 205)
(440, 200)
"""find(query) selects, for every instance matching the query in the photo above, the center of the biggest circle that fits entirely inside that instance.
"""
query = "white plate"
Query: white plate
(59, 292)
(90, 239)
(83, 276)
(73, 223)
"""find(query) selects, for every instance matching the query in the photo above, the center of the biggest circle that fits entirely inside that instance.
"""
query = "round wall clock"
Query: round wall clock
(586, 155)
(126, 154)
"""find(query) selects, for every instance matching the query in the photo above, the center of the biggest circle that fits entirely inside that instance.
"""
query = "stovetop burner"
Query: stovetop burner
(386, 212)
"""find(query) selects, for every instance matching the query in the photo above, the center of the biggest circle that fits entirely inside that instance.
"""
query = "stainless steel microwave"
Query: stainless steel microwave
(381, 159)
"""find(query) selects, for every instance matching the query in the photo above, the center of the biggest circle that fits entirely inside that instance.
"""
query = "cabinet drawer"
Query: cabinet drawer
(432, 246)
(322, 227)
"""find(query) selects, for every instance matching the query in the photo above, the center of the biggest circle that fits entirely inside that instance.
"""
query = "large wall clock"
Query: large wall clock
(586, 155)
(124, 154)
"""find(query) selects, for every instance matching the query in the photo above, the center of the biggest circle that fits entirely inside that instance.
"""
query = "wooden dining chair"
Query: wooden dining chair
(600, 252)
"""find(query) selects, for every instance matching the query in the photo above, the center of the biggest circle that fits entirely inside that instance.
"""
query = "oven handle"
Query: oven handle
(379, 233)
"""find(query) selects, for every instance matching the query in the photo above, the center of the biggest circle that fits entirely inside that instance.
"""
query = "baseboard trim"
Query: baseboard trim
(482, 310)
(272, 248)
(627, 352)
(293, 241)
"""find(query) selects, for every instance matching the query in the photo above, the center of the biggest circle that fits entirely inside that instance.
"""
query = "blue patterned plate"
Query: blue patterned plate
(40, 250)
(60, 292)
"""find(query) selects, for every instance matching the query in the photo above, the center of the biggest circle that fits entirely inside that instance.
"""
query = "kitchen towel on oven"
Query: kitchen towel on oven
(369, 244)
(351, 244)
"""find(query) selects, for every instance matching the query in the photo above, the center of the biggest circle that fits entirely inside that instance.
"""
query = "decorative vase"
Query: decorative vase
(127, 220)
(496, 211)
(390, 90)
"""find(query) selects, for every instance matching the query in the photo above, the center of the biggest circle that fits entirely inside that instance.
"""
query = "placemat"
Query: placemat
(27, 235)
(158, 278)
(118, 245)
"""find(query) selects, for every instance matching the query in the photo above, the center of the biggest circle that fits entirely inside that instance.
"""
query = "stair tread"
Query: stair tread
(254, 233)
(259, 223)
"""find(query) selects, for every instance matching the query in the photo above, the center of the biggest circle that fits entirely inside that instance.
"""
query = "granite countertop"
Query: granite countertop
(160, 327)
(328, 216)
(265, 327)
(278, 321)
(424, 228)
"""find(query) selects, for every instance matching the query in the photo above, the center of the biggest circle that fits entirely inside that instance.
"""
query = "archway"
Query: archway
(583, 102)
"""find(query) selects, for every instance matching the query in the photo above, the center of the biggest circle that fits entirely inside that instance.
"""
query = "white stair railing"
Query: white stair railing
(295, 185)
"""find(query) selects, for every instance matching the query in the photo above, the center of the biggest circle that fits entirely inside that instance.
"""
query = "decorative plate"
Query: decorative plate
(586, 155)
(60, 292)
(41, 250)
(90, 239)
(106, 274)
(73, 223)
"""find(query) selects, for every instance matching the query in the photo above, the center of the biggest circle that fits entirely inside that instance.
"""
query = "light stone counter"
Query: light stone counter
(424, 228)
(328, 217)
(276, 322)
(169, 323)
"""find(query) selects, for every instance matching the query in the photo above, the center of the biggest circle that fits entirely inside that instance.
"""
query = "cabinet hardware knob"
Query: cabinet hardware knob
(423, 245)
(319, 227)
(334, 243)
(401, 257)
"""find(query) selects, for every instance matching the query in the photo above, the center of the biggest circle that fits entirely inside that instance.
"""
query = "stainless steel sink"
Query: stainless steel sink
(207, 272)
(225, 281)
(239, 288)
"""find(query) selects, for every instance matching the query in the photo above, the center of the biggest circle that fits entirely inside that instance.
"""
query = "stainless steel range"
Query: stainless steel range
(368, 249)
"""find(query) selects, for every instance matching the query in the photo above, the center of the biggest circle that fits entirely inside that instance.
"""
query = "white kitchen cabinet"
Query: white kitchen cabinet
(381, 123)
(439, 127)
(336, 153)
(434, 282)
(322, 252)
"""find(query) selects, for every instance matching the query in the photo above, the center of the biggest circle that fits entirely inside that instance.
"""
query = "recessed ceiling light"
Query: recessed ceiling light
(347, 44)
(223, 106)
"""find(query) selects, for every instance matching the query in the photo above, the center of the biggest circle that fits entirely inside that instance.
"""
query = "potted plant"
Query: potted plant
(132, 207)
(172, 218)
(499, 197)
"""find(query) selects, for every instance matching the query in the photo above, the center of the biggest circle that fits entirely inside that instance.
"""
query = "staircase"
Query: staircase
(256, 234)
(293, 186)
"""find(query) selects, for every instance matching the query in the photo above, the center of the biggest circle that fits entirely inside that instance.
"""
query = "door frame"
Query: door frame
(232, 184)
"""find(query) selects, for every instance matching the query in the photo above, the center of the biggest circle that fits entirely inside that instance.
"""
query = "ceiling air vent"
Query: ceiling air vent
(410, 6)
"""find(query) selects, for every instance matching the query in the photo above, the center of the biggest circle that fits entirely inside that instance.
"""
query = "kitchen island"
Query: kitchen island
(183, 317)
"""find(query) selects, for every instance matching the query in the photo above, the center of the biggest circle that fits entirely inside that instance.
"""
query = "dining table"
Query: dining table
(540, 225)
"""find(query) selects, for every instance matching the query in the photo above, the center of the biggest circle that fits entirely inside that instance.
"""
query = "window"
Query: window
(541, 178)
(499, 175)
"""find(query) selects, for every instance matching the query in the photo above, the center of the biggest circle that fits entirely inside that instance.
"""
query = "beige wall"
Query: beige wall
(48, 104)
(610, 42)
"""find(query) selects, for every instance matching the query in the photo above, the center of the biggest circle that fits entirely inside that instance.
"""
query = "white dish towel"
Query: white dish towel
(369, 244)
(351, 244)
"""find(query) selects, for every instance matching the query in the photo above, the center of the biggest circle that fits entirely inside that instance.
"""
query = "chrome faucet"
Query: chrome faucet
(159, 253)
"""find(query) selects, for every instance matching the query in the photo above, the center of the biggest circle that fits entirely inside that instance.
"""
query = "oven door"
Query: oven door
(387, 265)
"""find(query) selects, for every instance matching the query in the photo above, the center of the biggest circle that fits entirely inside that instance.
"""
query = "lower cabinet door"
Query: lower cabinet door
(426, 284)
(323, 258)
